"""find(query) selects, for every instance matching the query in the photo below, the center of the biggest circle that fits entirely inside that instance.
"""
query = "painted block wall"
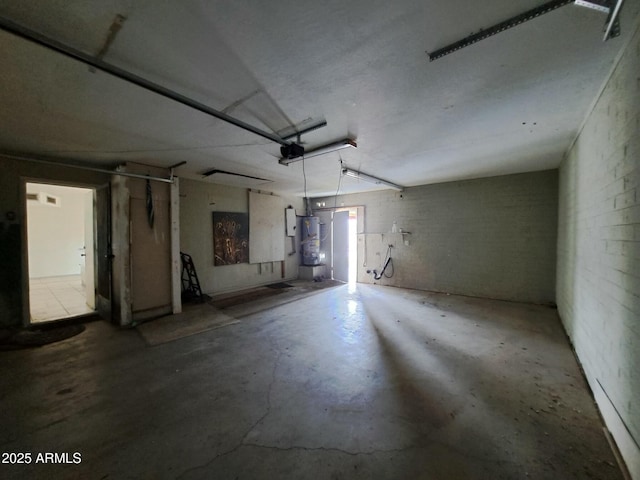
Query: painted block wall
(197, 202)
(598, 276)
(490, 237)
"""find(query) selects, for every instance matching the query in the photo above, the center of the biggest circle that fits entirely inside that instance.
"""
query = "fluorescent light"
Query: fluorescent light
(370, 178)
(332, 147)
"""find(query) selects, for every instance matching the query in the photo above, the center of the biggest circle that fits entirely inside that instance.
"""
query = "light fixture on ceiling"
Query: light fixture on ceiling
(332, 147)
(370, 178)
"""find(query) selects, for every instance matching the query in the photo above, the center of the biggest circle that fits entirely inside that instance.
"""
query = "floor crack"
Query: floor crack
(331, 449)
(268, 411)
(250, 429)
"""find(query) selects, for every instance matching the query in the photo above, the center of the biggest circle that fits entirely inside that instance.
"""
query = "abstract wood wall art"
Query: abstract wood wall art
(230, 238)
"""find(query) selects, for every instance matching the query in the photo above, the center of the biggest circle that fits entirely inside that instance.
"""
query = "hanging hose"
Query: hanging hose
(387, 262)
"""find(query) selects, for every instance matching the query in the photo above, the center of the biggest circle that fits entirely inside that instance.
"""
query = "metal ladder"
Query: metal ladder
(190, 283)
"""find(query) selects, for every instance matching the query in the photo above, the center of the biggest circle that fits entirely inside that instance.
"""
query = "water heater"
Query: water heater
(310, 236)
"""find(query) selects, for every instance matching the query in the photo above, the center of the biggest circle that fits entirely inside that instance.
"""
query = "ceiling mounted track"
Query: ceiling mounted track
(213, 171)
(288, 157)
(600, 5)
(42, 40)
(56, 163)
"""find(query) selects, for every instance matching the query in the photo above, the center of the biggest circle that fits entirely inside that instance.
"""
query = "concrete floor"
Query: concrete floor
(366, 382)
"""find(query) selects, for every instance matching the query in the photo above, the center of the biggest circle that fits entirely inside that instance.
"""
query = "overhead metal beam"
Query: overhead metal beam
(213, 171)
(44, 41)
(55, 163)
(500, 27)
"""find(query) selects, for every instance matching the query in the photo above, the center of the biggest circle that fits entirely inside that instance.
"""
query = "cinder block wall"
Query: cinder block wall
(598, 276)
(490, 237)
(197, 202)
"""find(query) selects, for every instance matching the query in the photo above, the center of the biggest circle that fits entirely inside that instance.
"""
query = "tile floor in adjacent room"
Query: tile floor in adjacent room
(53, 298)
(364, 382)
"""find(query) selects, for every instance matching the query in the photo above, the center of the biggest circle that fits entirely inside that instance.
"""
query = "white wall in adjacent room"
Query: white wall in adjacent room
(56, 232)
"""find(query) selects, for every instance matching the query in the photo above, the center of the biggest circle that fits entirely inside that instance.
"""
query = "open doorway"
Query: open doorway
(345, 245)
(60, 251)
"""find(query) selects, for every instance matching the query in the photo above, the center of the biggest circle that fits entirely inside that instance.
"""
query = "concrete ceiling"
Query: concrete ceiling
(511, 103)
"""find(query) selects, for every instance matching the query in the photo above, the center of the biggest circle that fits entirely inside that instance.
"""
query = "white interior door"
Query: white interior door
(341, 246)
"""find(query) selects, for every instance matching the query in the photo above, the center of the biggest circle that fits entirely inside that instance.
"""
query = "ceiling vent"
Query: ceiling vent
(43, 198)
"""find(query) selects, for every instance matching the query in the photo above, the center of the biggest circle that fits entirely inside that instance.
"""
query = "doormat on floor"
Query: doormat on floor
(197, 319)
(38, 338)
(279, 285)
(245, 297)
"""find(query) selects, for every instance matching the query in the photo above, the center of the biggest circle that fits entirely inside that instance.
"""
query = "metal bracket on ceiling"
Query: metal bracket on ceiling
(599, 5)
(498, 28)
(174, 166)
(613, 25)
(213, 171)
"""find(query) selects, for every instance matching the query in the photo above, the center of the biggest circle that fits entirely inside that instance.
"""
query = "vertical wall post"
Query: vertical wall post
(176, 263)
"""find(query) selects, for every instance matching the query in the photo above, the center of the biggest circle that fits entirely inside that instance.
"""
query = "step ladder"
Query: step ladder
(190, 283)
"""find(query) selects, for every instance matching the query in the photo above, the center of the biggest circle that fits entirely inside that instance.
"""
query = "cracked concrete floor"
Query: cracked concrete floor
(366, 382)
